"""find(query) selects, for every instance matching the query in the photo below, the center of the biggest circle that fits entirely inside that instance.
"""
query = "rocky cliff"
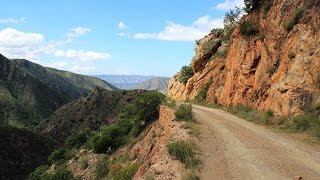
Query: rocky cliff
(276, 68)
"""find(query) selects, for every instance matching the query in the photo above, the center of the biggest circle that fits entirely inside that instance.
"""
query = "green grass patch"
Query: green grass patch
(102, 167)
(294, 19)
(202, 94)
(184, 113)
(248, 28)
(185, 152)
(193, 128)
(125, 173)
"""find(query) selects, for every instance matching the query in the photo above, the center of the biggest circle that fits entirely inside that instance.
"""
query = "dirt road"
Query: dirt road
(237, 149)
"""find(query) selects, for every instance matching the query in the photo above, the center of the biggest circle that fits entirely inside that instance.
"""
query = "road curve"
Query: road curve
(237, 149)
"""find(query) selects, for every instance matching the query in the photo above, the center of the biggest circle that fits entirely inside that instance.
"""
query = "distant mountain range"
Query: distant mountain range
(129, 82)
(30, 93)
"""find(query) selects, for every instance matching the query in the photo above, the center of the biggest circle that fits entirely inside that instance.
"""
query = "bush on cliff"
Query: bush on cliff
(186, 73)
(133, 118)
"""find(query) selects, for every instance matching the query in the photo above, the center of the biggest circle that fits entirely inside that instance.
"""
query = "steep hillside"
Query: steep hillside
(71, 85)
(21, 152)
(272, 60)
(24, 100)
(99, 108)
(124, 81)
(160, 84)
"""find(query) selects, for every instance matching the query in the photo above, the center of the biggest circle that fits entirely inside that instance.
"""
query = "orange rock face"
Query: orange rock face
(274, 69)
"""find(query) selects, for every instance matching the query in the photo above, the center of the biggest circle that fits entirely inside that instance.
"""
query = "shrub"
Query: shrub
(60, 173)
(202, 95)
(133, 118)
(101, 168)
(304, 121)
(78, 138)
(266, 5)
(38, 173)
(109, 138)
(184, 151)
(230, 22)
(126, 172)
(170, 103)
(184, 113)
(222, 53)
(186, 73)
(57, 154)
(84, 164)
(142, 111)
(248, 28)
(210, 47)
(294, 19)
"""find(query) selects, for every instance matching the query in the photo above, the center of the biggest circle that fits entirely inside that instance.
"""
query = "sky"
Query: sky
(109, 37)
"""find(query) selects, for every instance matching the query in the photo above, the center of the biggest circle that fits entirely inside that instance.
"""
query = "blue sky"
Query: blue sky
(108, 37)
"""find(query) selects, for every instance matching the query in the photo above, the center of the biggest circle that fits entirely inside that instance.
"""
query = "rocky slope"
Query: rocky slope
(21, 152)
(277, 68)
(99, 108)
(149, 150)
(24, 100)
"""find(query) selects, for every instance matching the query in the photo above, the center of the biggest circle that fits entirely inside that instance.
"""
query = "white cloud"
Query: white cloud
(12, 20)
(17, 44)
(82, 55)
(82, 69)
(229, 4)
(178, 32)
(78, 31)
(122, 26)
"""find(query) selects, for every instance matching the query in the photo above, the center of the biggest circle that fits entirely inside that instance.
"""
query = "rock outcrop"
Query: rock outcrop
(276, 69)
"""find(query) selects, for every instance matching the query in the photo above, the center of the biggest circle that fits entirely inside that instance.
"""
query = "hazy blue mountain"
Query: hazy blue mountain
(129, 82)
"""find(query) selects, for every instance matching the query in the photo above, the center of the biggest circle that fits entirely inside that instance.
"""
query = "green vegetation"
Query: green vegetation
(57, 154)
(222, 54)
(60, 173)
(291, 56)
(230, 22)
(186, 73)
(210, 47)
(265, 6)
(294, 19)
(309, 121)
(101, 168)
(84, 163)
(125, 173)
(185, 152)
(248, 28)
(133, 118)
(78, 138)
(170, 102)
(202, 94)
(184, 113)
(38, 173)
(193, 128)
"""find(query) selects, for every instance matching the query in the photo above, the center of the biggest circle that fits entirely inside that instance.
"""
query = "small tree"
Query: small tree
(230, 21)
(186, 73)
